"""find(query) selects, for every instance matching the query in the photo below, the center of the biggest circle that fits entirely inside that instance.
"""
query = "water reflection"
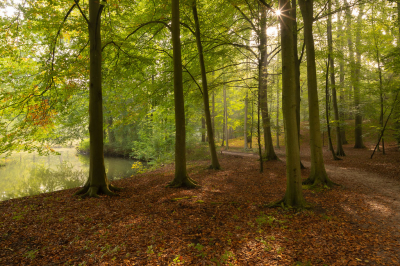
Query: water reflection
(25, 174)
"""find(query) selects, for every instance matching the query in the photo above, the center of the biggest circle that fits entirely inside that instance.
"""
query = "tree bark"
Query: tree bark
(277, 113)
(210, 134)
(318, 174)
(294, 194)
(355, 73)
(181, 178)
(339, 146)
(226, 133)
(269, 153)
(341, 79)
(297, 69)
(357, 97)
(246, 103)
(97, 182)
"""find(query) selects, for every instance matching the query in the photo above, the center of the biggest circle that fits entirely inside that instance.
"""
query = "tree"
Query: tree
(181, 177)
(269, 153)
(294, 194)
(355, 73)
(214, 159)
(97, 182)
(318, 175)
(339, 146)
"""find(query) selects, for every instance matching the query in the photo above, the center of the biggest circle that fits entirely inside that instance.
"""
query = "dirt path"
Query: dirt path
(381, 193)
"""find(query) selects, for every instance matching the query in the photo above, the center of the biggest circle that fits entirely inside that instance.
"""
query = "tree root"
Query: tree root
(114, 189)
(187, 182)
(315, 183)
(94, 192)
(340, 153)
(211, 167)
(282, 204)
(270, 158)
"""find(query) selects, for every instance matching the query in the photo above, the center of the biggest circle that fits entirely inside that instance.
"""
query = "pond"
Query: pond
(23, 174)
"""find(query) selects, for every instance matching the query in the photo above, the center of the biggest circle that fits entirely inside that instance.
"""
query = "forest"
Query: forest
(270, 131)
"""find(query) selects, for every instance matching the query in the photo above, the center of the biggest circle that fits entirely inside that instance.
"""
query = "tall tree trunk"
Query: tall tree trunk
(355, 73)
(318, 174)
(297, 69)
(246, 103)
(181, 178)
(210, 134)
(339, 147)
(213, 112)
(252, 123)
(294, 194)
(258, 124)
(97, 182)
(378, 60)
(357, 97)
(277, 113)
(111, 133)
(269, 153)
(341, 78)
(203, 129)
(226, 133)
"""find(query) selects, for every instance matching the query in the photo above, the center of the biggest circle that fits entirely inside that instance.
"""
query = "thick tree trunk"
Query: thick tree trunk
(294, 194)
(339, 147)
(98, 182)
(210, 134)
(181, 178)
(318, 174)
(269, 153)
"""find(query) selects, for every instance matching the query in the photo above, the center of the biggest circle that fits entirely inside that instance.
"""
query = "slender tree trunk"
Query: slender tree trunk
(252, 123)
(378, 60)
(297, 69)
(111, 134)
(226, 133)
(210, 134)
(181, 178)
(318, 174)
(327, 112)
(269, 154)
(357, 97)
(246, 103)
(258, 125)
(355, 73)
(341, 79)
(98, 182)
(339, 147)
(294, 194)
(213, 111)
(277, 113)
(203, 129)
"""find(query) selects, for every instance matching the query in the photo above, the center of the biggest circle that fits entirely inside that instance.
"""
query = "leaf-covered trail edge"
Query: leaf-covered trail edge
(222, 222)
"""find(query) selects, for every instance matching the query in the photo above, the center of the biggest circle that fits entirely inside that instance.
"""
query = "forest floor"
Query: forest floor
(224, 222)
